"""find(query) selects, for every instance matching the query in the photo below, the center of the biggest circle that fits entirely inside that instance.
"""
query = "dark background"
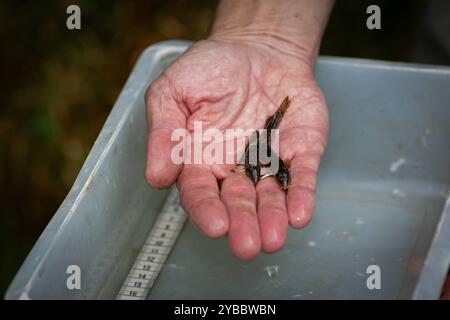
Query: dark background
(57, 87)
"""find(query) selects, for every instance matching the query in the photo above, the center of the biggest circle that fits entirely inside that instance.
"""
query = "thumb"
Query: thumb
(163, 117)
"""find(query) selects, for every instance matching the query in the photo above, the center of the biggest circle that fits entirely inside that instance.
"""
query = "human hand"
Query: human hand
(227, 83)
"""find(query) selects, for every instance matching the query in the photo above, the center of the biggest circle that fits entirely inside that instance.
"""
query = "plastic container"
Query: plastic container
(381, 194)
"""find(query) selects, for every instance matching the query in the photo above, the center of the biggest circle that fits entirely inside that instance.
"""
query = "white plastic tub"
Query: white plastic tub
(381, 194)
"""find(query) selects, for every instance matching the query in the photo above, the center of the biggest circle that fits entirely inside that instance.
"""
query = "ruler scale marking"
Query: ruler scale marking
(155, 250)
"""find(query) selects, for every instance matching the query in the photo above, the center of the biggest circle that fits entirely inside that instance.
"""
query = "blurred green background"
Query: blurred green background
(57, 87)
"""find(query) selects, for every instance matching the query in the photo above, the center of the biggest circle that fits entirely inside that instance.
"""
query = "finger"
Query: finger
(163, 116)
(302, 189)
(272, 214)
(199, 197)
(239, 197)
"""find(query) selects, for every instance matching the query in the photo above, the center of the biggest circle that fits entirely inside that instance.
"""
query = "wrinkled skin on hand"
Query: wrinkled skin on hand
(231, 84)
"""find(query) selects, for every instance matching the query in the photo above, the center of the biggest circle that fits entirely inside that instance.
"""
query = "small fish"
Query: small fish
(253, 171)
(274, 121)
(282, 175)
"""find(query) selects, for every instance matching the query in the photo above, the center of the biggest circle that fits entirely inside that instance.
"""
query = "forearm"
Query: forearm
(293, 27)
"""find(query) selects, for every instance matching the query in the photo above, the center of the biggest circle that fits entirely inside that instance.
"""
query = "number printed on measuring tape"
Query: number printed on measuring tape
(154, 251)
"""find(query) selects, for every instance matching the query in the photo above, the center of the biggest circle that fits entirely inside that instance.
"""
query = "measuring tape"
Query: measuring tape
(154, 251)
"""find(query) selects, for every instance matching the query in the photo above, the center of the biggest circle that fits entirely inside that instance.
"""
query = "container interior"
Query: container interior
(382, 186)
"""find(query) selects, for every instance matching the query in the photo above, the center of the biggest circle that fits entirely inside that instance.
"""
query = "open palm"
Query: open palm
(238, 85)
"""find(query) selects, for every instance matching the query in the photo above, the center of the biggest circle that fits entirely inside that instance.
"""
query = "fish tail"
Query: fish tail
(284, 105)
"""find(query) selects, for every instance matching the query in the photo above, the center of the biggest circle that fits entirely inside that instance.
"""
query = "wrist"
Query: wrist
(271, 39)
(289, 27)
